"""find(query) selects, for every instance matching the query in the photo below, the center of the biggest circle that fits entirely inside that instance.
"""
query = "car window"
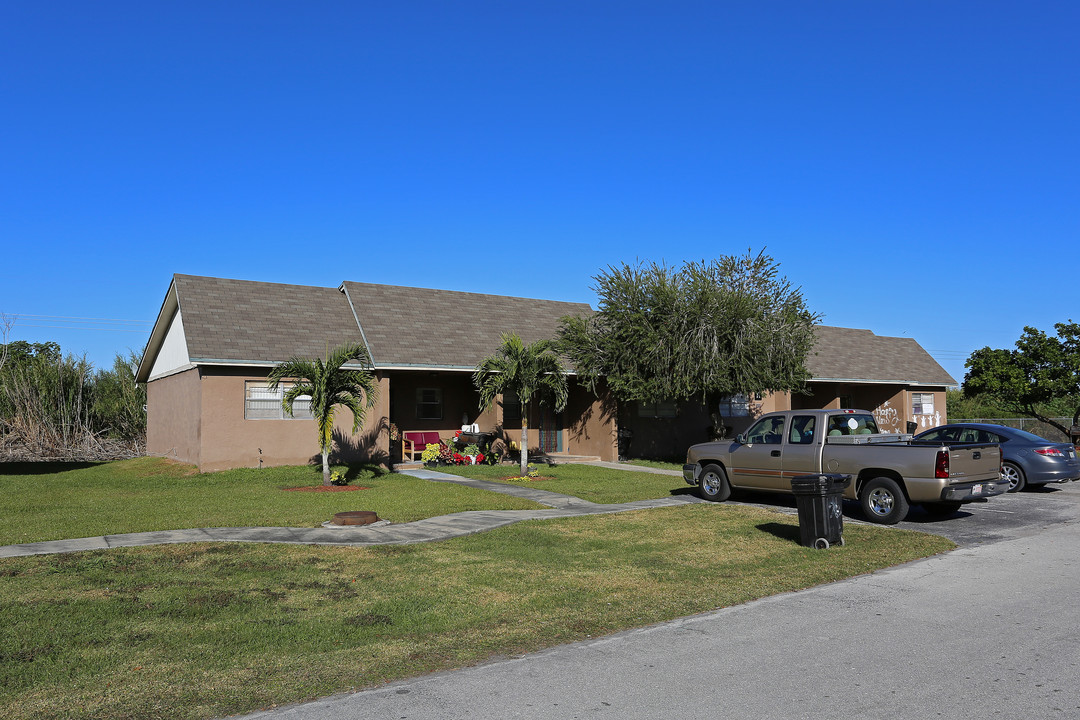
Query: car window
(802, 429)
(951, 434)
(851, 424)
(767, 430)
(1030, 437)
(994, 437)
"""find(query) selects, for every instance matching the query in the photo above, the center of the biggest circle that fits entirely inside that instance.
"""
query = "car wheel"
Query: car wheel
(941, 509)
(883, 501)
(1015, 476)
(713, 484)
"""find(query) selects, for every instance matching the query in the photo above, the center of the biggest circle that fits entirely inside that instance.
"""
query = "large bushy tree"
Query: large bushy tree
(1035, 378)
(526, 371)
(733, 325)
(329, 384)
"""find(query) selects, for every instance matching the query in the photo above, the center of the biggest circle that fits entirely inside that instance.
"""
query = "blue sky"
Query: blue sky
(913, 166)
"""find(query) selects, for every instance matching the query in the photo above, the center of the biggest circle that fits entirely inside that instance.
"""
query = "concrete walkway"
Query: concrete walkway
(430, 529)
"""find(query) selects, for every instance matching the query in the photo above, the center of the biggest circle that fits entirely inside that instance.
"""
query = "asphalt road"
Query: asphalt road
(998, 518)
(986, 631)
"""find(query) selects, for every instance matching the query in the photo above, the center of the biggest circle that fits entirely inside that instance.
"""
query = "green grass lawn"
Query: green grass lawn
(53, 501)
(662, 464)
(588, 482)
(205, 630)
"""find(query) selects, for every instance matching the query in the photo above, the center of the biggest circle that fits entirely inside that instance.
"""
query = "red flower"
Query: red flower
(479, 458)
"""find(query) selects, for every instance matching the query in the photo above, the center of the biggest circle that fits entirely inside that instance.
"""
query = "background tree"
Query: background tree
(526, 371)
(702, 331)
(328, 385)
(118, 406)
(1034, 379)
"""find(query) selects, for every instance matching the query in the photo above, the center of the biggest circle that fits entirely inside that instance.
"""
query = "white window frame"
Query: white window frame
(922, 403)
(262, 403)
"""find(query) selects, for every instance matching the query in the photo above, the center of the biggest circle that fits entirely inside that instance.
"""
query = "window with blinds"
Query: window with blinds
(922, 403)
(262, 403)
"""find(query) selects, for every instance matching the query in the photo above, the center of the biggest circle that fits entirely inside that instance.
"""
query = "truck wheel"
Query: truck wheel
(713, 484)
(941, 509)
(883, 501)
(1015, 476)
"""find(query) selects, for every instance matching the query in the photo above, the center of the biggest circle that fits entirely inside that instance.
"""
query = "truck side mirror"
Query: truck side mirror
(741, 438)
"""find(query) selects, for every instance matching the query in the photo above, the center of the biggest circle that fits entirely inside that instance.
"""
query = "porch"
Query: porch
(442, 401)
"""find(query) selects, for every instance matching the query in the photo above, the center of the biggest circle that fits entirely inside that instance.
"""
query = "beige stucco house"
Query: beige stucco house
(215, 340)
(892, 377)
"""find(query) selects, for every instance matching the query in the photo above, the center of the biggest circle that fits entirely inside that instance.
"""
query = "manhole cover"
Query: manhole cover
(355, 517)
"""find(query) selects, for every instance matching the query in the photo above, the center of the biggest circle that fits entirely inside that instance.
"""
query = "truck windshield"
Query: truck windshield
(852, 424)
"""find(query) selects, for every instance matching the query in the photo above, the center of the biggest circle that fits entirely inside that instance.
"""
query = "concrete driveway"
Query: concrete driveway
(986, 631)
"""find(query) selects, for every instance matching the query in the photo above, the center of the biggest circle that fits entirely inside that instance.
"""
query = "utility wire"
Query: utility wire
(69, 322)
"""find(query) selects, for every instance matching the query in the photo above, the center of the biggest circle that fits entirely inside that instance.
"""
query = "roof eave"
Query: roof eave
(169, 306)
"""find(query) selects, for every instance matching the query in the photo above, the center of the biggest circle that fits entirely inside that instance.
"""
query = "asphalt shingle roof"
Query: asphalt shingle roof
(243, 321)
(848, 354)
(407, 326)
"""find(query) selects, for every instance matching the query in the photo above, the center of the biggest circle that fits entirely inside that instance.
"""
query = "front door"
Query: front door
(550, 431)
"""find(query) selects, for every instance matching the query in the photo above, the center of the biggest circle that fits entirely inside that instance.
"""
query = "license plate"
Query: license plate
(976, 489)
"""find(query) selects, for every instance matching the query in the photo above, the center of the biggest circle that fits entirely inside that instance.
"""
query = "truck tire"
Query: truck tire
(941, 509)
(713, 484)
(883, 501)
(1015, 476)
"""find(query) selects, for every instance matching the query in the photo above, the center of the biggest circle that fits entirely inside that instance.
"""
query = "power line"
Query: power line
(84, 327)
(73, 322)
(73, 318)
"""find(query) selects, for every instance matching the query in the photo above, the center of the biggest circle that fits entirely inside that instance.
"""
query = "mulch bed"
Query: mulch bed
(327, 488)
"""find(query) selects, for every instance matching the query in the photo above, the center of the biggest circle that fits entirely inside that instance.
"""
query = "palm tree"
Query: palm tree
(329, 385)
(524, 370)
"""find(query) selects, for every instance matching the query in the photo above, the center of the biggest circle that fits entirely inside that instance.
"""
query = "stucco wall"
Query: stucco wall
(172, 416)
(591, 424)
(229, 440)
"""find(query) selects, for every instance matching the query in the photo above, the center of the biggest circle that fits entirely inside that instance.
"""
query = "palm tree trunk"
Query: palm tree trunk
(326, 468)
(524, 439)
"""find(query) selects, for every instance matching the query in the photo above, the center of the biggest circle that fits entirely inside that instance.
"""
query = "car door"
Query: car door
(757, 463)
(801, 452)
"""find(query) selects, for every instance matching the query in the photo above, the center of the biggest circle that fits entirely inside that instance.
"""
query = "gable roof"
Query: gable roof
(240, 321)
(244, 322)
(419, 327)
(844, 354)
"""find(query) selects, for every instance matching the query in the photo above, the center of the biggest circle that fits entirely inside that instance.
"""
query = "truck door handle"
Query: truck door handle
(775, 453)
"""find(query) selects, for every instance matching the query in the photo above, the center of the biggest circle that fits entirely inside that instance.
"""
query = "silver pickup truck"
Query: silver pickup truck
(888, 473)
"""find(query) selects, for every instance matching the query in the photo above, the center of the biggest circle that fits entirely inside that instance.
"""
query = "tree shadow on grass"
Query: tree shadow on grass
(45, 467)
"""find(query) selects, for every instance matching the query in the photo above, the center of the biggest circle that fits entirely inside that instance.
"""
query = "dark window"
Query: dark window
(429, 404)
(802, 429)
(662, 409)
(511, 410)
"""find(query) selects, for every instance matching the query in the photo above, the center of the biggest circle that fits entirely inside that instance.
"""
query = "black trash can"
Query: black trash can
(821, 515)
